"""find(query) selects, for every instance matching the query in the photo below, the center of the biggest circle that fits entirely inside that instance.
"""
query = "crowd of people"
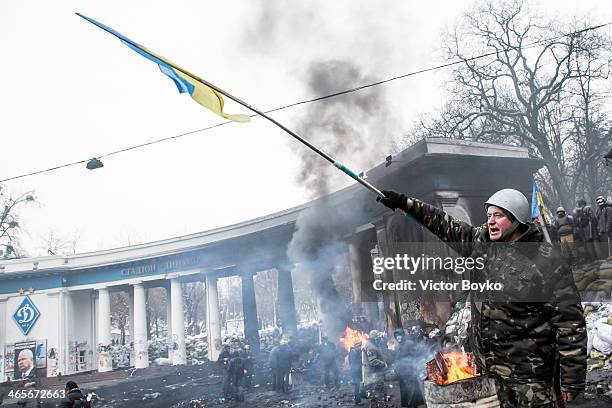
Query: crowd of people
(584, 235)
(366, 365)
(239, 370)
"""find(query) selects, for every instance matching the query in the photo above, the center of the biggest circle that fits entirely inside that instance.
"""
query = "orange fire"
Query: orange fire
(351, 337)
(459, 367)
(449, 367)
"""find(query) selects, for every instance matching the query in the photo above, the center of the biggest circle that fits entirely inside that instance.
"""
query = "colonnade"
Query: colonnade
(177, 353)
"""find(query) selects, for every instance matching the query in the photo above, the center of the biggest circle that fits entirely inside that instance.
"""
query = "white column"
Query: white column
(213, 319)
(104, 331)
(63, 337)
(141, 347)
(169, 340)
(179, 354)
(131, 322)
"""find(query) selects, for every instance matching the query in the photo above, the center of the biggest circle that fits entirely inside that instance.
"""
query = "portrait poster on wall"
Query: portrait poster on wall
(25, 360)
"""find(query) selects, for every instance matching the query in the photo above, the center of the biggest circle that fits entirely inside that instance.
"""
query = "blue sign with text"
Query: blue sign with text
(26, 315)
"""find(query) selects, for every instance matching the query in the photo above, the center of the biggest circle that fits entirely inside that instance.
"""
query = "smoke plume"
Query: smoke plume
(353, 127)
(317, 248)
(356, 129)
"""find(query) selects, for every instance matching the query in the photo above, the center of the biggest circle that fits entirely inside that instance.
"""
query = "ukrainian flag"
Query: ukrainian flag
(537, 203)
(184, 80)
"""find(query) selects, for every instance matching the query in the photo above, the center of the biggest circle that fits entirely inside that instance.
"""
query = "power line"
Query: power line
(316, 99)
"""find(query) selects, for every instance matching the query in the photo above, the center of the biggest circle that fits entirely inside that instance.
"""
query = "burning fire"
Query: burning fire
(449, 367)
(351, 337)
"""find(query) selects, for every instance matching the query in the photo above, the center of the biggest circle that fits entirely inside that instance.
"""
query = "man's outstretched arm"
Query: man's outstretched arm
(440, 223)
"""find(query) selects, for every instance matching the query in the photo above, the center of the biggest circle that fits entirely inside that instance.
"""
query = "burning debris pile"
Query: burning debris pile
(453, 380)
(351, 337)
(450, 366)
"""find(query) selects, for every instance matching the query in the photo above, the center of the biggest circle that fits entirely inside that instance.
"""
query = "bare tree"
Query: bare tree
(536, 88)
(10, 227)
(306, 299)
(156, 310)
(266, 295)
(120, 313)
(54, 244)
(590, 132)
(194, 306)
(230, 298)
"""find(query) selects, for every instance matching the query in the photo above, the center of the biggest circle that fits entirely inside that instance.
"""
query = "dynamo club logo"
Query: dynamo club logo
(26, 315)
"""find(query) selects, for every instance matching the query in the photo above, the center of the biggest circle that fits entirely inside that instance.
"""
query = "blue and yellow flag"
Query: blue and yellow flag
(184, 81)
(537, 204)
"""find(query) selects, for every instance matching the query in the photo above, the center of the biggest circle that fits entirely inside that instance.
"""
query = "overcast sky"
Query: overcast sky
(71, 91)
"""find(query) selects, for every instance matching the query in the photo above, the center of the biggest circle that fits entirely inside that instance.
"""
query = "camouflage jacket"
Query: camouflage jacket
(519, 339)
(374, 365)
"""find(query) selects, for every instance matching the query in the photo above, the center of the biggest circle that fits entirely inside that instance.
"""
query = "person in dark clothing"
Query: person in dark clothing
(74, 397)
(327, 357)
(234, 377)
(355, 362)
(285, 359)
(603, 213)
(224, 355)
(585, 225)
(273, 364)
(408, 379)
(247, 357)
(374, 369)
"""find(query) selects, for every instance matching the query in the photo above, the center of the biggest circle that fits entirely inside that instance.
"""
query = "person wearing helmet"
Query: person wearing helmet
(603, 213)
(565, 229)
(285, 356)
(518, 343)
(224, 355)
(247, 358)
(374, 368)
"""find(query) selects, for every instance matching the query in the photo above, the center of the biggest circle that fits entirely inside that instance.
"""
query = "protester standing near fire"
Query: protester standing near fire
(327, 357)
(406, 352)
(374, 368)
(515, 342)
(355, 370)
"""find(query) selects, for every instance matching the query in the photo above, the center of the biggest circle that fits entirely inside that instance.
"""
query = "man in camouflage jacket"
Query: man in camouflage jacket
(516, 341)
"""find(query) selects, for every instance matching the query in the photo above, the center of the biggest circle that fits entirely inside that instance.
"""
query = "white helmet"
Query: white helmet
(512, 201)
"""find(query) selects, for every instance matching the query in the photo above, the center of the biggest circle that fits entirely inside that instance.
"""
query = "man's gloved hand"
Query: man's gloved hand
(392, 200)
